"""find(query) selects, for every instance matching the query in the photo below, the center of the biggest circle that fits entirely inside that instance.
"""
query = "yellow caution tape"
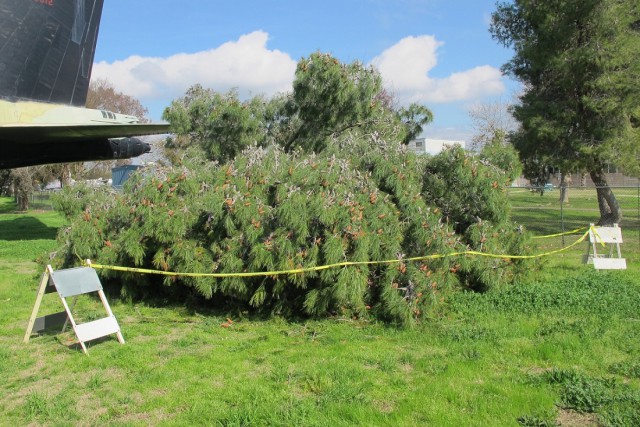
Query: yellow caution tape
(328, 266)
(596, 235)
(577, 230)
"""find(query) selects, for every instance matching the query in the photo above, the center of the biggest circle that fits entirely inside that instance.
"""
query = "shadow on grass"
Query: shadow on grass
(7, 205)
(185, 300)
(26, 228)
(75, 344)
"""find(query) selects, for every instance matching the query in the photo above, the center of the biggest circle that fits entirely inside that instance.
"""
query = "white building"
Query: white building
(432, 146)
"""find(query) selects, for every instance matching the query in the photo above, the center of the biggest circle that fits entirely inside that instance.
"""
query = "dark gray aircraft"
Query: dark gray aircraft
(46, 56)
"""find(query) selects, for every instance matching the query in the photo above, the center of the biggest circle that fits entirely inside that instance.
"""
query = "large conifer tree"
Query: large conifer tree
(305, 180)
(579, 63)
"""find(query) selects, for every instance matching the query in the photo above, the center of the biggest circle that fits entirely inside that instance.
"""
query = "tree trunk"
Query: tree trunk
(610, 212)
(564, 190)
(21, 196)
(65, 175)
(22, 201)
(583, 179)
(22, 186)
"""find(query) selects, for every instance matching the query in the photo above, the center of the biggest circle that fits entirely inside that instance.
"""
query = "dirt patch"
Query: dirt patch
(536, 370)
(570, 418)
(48, 387)
(153, 417)
(90, 407)
(384, 406)
(407, 368)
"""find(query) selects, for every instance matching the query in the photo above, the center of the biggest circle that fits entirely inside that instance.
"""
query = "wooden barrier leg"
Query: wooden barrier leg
(107, 307)
(32, 320)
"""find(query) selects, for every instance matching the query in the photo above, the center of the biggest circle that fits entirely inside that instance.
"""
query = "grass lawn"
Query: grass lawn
(564, 347)
(543, 215)
(582, 206)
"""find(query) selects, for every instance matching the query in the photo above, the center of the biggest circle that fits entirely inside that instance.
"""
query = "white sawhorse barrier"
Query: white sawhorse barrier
(71, 283)
(601, 237)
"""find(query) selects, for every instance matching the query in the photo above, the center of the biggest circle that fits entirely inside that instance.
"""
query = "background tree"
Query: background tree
(329, 99)
(492, 121)
(492, 124)
(578, 61)
(24, 181)
(222, 124)
(500, 153)
(21, 183)
(414, 117)
(103, 96)
(5, 182)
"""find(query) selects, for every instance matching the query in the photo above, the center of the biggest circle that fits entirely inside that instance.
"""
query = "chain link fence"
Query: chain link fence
(541, 211)
(41, 200)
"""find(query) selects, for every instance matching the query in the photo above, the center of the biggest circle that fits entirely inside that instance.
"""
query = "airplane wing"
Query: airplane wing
(33, 133)
(35, 144)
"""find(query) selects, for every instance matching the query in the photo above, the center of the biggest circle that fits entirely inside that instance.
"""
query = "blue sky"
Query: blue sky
(435, 52)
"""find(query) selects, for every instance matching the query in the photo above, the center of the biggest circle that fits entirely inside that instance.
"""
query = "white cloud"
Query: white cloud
(405, 69)
(249, 65)
(246, 63)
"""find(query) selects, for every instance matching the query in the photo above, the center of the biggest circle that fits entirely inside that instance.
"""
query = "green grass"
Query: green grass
(542, 216)
(563, 346)
(545, 211)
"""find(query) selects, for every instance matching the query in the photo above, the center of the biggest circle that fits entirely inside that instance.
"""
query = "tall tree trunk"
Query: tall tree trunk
(22, 187)
(610, 212)
(65, 175)
(22, 201)
(21, 196)
(564, 190)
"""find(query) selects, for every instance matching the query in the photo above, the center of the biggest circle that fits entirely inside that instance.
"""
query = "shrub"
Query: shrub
(617, 404)
(268, 210)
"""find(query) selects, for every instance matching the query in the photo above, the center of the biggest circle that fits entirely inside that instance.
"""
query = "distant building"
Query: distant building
(120, 174)
(53, 186)
(432, 146)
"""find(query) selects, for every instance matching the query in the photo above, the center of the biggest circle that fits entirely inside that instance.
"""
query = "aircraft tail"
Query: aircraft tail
(47, 49)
